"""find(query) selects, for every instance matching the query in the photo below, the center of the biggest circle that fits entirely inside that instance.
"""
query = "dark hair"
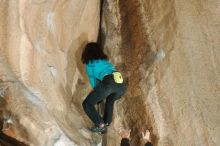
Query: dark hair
(92, 51)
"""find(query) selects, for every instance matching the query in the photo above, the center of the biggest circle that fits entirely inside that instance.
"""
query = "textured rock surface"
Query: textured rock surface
(184, 98)
(40, 45)
(168, 52)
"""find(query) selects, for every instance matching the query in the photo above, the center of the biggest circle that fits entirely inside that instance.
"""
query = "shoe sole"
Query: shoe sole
(100, 132)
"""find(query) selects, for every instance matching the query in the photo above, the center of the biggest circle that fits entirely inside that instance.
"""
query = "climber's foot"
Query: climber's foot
(99, 129)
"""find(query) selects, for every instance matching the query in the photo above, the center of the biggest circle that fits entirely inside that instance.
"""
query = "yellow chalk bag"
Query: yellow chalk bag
(117, 77)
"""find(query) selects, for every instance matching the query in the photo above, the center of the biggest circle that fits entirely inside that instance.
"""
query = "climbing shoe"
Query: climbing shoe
(107, 124)
(99, 129)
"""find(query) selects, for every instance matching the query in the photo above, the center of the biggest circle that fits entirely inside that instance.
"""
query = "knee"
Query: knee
(110, 102)
(84, 104)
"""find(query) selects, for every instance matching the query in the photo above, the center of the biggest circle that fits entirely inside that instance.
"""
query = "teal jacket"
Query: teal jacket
(97, 69)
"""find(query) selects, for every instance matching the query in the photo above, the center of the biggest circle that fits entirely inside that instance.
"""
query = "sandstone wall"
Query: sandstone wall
(41, 42)
(185, 95)
(169, 52)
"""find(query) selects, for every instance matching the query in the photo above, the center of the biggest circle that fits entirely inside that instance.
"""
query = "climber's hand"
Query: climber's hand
(124, 133)
(146, 136)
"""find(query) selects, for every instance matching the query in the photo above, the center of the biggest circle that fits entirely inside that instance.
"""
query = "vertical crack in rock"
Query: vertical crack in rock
(127, 45)
(168, 50)
(101, 43)
(135, 51)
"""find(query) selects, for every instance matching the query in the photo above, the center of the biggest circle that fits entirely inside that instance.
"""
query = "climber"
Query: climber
(107, 83)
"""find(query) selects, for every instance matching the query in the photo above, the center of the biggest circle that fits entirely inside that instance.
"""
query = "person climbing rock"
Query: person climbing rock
(125, 135)
(107, 83)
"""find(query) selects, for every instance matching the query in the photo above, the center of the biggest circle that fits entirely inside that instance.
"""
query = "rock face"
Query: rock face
(168, 52)
(41, 42)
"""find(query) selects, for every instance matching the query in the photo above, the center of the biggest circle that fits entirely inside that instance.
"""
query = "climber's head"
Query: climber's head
(92, 51)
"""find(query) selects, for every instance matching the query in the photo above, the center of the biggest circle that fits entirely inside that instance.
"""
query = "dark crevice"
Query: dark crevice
(9, 141)
(135, 50)
(100, 41)
(6, 140)
(100, 33)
